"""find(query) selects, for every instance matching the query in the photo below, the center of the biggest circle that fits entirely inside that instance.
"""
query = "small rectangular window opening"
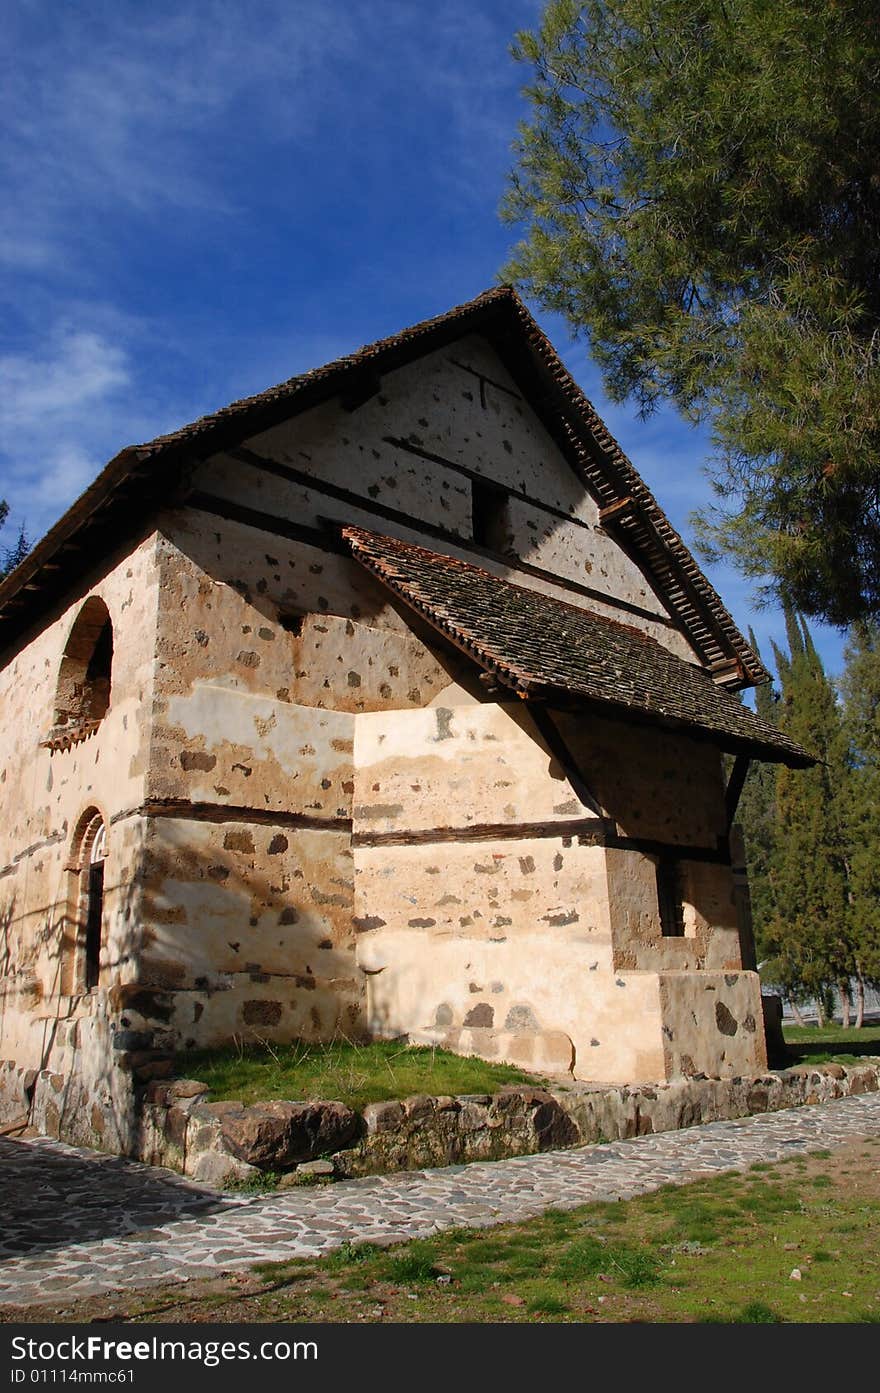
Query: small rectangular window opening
(94, 916)
(490, 509)
(292, 623)
(670, 898)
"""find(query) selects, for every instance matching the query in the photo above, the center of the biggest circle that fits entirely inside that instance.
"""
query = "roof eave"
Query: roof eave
(529, 689)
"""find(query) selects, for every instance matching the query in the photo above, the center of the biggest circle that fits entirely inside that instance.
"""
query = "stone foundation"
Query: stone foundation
(222, 1144)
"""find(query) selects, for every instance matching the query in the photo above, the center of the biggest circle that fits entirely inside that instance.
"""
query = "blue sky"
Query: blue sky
(206, 197)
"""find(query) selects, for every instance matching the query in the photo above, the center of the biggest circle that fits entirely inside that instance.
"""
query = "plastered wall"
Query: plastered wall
(411, 450)
(269, 651)
(492, 919)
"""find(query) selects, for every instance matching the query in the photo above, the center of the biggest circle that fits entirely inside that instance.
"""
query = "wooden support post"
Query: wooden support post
(735, 787)
(553, 739)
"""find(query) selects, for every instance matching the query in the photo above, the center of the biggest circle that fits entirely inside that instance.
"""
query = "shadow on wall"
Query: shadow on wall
(235, 950)
(78, 1092)
(53, 1198)
(7, 919)
(277, 964)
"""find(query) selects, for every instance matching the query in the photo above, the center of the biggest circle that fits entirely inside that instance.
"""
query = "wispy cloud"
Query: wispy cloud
(39, 392)
(136, 134)
(57, 404)
(113, 107)
(125, 106)
(203, 197)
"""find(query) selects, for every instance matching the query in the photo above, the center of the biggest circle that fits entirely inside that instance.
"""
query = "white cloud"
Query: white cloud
(100, 381)
(38, 393)
(67, 470)
(57, 405)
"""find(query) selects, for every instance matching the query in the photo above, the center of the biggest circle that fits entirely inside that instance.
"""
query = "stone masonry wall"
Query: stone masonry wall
(48, 1022)
(412, 450)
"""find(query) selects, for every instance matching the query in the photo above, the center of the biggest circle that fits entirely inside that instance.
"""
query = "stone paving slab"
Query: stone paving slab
(81, 1224)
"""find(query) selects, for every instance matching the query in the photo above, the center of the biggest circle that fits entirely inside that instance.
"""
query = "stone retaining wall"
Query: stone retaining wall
(228, 1142)
(419, 1132)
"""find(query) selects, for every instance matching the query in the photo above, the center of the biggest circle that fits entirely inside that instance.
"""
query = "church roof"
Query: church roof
(541, 647)
(145, 477)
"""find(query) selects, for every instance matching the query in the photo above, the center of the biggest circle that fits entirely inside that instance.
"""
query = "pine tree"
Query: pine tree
(809, 925)
(697, 187)
(10, 557)
(14, 555)
(861, 802)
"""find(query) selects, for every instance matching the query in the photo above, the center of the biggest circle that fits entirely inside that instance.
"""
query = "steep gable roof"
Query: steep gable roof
(542, 647)
(145, 476)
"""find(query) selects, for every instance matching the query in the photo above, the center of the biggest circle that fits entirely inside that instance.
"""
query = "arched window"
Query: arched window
(83, 932)
(83, 694)
(94, 907)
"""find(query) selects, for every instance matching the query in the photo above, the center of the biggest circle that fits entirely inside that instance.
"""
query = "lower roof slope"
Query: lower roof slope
(545, 648)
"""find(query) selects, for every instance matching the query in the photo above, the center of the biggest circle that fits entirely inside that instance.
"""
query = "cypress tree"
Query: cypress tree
(11, 556)
(757, 819)
(861, 802)
(808, 931)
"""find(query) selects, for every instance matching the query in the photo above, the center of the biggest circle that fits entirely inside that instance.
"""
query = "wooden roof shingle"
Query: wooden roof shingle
(542, 647)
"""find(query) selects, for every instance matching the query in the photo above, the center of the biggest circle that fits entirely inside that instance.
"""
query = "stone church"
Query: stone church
(385, 703)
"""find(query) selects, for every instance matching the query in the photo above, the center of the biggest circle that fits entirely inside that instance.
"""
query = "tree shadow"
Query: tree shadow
(55, 1197)
(805, 1051)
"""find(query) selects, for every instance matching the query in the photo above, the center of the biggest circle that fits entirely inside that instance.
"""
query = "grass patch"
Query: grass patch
(416, 1263)
(353, 1073)
(756, 1313)
(585, 1257)
(808, 1044)
(546, 1303)
(693, 1253)
(259, 1184)
(350, 1254)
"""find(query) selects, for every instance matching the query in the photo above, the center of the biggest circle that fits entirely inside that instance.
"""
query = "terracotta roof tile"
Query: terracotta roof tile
(541, 647)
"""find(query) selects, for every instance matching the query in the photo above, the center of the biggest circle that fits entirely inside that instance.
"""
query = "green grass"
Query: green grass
(358, 1074)
(258, 1184)
(756, 1313)
(772, 1246)
(629, 1262)
(808, 1044)
(352, 1073)
(831, 1034)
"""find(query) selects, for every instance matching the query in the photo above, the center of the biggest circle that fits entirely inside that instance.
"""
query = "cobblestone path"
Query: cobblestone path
(77, 1223)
